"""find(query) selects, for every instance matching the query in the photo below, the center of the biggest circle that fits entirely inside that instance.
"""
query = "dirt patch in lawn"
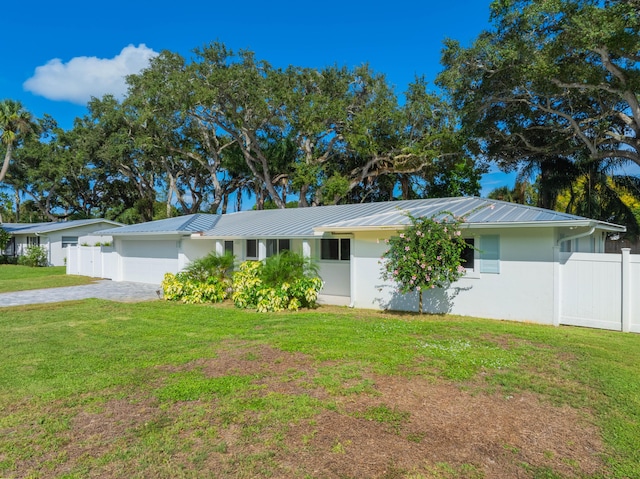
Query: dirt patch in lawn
(367, 426)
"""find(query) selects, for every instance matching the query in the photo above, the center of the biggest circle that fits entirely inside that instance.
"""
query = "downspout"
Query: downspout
(579, 235)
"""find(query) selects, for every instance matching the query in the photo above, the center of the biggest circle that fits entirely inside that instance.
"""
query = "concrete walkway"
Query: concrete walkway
(121, 291)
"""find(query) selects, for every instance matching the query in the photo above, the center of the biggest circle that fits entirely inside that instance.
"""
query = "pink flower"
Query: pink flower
(439, 258)
(401, 235)
(413, 278)
(406, 248)
(461, 269)
(395, 272)
(458, 233)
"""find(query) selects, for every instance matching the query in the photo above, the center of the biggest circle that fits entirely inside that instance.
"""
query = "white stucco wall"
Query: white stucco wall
(522, 290)
(191, 249)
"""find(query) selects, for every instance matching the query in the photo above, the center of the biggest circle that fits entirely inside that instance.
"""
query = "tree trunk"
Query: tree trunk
(420, 301)
(17, 205)
(7, 159)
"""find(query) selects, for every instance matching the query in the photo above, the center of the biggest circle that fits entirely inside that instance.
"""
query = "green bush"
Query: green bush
(212, 265)
(5, 259)
(182, 287)
(284, 281)
(286, 267)
(36, 256)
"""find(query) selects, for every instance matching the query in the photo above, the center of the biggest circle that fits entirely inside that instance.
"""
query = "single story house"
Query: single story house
(54, 237)
(510, 275)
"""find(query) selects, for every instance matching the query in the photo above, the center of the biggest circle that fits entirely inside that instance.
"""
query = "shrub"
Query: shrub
(36, 256)
(212, 265)
(287, 267)
(182, 287)
(285, 281)
(246, 284)
(5, 259)
(425, 255)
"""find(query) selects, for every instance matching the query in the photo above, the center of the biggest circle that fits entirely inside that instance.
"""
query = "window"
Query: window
(275, 246)
(228, 247)
(490, 254)
(345, 249)
(284, 245)
(33, 240)
(69, 241)
(335, 249)
(252, 248)
(467, 256)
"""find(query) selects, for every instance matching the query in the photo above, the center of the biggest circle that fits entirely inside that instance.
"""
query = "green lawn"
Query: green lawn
(20, 278)
(96, 388)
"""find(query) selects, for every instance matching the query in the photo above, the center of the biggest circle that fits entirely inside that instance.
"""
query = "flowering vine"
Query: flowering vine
(425, 255)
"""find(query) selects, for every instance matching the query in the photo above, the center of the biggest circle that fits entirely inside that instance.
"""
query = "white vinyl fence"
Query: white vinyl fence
(94, 261)
(598, 290)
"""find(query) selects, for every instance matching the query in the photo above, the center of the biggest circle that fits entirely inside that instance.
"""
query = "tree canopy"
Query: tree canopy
(193, 134)
(551, 90)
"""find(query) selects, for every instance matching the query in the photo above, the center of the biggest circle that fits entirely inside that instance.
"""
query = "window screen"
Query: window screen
(490, 254)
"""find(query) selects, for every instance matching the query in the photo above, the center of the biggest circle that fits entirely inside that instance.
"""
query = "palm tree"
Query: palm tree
(15, 123)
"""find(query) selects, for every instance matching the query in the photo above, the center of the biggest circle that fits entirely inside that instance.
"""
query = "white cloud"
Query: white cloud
(83, 77)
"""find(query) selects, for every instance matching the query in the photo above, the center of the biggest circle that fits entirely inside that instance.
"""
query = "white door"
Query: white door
(148, 261)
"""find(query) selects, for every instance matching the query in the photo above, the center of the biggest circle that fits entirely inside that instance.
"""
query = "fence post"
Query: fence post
(626, 290)
(557, 289)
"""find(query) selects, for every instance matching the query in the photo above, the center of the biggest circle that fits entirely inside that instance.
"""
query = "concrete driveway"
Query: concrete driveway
(121, 291)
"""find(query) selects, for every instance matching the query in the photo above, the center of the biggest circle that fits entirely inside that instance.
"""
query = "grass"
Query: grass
(21, 278)
(65, 362)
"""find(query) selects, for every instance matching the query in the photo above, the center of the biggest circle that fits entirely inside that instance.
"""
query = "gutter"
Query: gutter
(576, 236)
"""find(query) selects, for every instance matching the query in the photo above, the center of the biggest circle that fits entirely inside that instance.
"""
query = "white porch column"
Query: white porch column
(626, 290)
(219, 247)
(262, 249)
(306, 248)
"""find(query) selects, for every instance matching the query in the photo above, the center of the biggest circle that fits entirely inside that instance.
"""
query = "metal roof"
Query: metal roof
(473, 211)
(48, 227)
(307, 222)
(179, 225)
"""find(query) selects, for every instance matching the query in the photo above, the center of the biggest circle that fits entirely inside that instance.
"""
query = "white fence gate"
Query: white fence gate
(94, 261)
(598, 290)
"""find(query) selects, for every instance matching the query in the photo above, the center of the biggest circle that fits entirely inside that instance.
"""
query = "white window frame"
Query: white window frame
(344, 254)
(257, 248)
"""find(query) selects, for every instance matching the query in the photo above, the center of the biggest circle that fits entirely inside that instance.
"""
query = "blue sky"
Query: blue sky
(56, 55)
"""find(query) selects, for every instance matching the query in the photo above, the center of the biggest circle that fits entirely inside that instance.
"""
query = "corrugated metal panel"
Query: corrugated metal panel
(472, 210)
(180, 224)
(301, 222)
(34, 228)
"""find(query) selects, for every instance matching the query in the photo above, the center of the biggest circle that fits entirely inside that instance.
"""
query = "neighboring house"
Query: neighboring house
(54, 237)
(510, 275)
